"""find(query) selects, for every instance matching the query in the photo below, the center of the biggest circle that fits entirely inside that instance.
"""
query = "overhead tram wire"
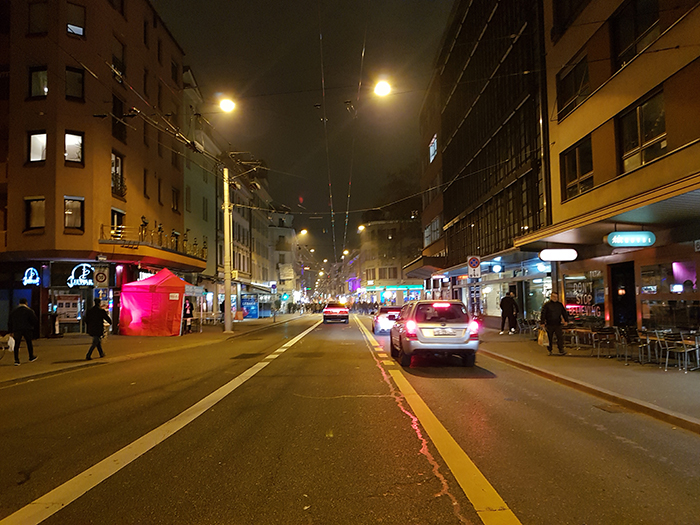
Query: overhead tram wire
(325, 133)
(354, 136)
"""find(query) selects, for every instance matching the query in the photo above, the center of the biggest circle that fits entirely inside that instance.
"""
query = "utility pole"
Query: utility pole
(227, 256)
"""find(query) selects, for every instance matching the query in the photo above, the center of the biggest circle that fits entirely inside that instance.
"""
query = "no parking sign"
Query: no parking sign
(474, 266)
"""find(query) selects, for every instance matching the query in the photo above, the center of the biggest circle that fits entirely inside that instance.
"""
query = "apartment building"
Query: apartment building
(91, 156)
(624, 143)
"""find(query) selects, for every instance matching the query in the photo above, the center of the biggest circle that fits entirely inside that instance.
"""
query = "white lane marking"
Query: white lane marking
(63, 495)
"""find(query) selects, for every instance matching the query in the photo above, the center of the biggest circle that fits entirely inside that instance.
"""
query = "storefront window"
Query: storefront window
(677, 315)
(675, 277)
(536, 293)
(585, 295)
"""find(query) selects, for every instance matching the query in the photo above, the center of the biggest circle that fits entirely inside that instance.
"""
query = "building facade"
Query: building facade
(624, 139)
(485, 166)
(91, 174)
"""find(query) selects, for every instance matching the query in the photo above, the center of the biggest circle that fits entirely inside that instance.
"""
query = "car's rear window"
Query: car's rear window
(389, 310)
(446, 312)
(335, 305)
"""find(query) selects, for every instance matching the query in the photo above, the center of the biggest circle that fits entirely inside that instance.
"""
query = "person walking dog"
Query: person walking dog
(21, 323)
(553, 316)
(95, 318)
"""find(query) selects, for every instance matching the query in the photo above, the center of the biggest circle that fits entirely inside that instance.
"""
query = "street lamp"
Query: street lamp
(227, 105)
(382, 88)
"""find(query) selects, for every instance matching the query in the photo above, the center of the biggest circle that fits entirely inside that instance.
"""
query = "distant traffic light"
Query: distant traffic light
(285, 296)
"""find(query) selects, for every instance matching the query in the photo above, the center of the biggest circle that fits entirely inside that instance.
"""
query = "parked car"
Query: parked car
(336, 312)
(384, 318)
(429, 327)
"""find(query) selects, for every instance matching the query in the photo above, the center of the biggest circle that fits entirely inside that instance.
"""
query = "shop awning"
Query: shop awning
(423, 267)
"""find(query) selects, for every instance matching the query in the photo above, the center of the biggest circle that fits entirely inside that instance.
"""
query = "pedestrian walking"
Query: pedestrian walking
(553, 316)
(21, 323)
(95, 319)
(187, 314)
(509, 311)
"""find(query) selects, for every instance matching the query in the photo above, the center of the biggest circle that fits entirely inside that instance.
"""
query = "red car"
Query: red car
(336, 312)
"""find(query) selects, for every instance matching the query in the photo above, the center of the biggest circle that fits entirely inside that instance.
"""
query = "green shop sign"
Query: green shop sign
(630, 239)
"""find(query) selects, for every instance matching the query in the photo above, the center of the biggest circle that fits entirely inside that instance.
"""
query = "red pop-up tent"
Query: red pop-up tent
(152, 306)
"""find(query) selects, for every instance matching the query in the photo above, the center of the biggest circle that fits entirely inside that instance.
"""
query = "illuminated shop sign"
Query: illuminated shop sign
(31, 276)
(81, 276)
(618, 239)
(553, 254)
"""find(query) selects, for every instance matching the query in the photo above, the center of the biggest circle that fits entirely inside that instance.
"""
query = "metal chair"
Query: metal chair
(676, 345)
(607, 336)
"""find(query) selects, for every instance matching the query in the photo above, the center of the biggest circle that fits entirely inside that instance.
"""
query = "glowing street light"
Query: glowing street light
(345, 252)
(303, 232)
(382, 88)
(361, 227)
(227, 105)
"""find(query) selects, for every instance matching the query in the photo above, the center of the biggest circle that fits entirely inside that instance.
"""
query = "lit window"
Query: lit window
(35, 212)
(433, 148)
(76, 19)
(643, 133)
(118, 181)
(576, 167)
(38, 82)
(37, 146)
(74, 147)
(73, 212)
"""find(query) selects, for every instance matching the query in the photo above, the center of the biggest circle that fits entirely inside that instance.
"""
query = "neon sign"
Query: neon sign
(31, 276)
(617, 239)
(80, 276)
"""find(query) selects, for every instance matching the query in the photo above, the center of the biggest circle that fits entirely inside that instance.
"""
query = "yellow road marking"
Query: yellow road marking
(489, 505)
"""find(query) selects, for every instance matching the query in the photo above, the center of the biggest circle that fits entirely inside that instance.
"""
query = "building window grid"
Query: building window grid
(38, 82)
(75, 83)
(576, 168)
(35, 213)
(634, 27)
(73, 212)
(643, 133)
(75, 15)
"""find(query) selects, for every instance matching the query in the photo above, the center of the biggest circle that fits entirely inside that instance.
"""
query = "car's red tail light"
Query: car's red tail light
(411, 329)
(474, 330)
(441, 305)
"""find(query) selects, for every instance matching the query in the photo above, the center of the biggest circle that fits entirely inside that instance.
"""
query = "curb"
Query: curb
(667, 416)
(95, 362)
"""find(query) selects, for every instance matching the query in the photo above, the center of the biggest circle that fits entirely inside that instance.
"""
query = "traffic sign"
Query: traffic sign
(474, 266)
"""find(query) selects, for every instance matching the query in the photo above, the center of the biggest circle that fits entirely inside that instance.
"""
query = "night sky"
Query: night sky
(267, 56)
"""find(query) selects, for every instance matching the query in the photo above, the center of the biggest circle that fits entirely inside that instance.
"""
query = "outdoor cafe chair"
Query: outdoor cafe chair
(675, 344)
(606, 335)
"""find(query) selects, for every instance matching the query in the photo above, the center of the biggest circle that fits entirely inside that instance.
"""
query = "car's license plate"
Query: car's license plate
(443, 331)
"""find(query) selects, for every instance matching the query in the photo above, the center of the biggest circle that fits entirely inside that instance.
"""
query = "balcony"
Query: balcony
(133, 237)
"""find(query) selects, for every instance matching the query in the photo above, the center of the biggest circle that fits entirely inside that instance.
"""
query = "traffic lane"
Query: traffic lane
(58, 426)
(557, 455)
(317, 436)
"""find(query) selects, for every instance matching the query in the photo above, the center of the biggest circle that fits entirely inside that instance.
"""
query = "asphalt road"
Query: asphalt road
(322, 431)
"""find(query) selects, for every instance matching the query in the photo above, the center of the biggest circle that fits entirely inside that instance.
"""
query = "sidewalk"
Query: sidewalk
(671, 396)
(56, 355)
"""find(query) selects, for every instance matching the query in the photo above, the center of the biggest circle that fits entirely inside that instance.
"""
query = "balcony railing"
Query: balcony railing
(133, 237)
